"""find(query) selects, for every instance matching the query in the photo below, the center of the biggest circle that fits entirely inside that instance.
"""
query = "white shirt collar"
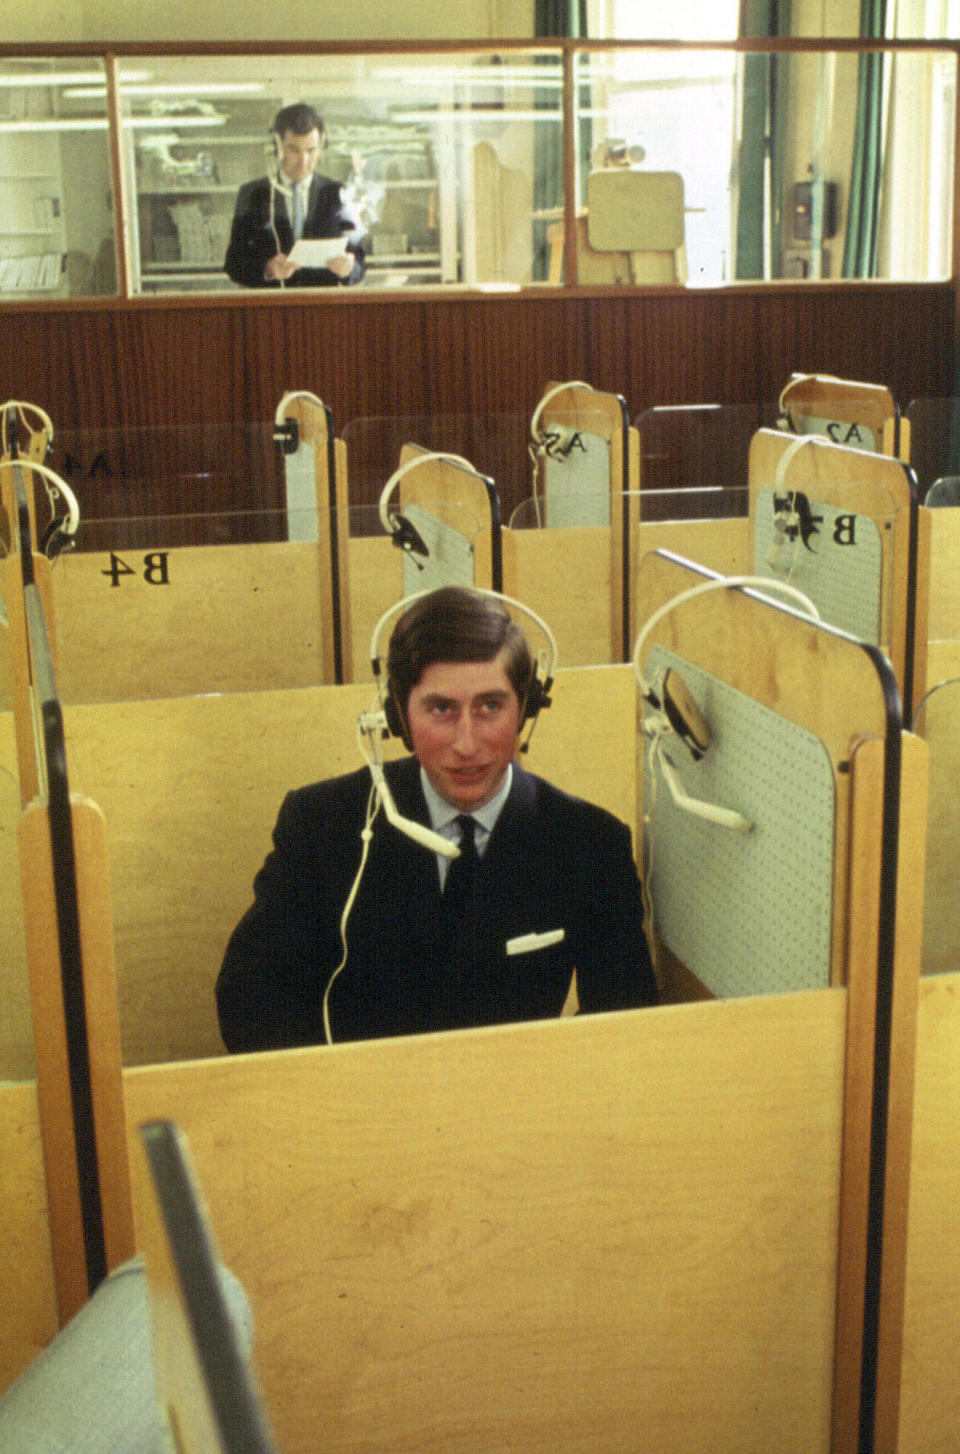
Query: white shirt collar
(443, 815)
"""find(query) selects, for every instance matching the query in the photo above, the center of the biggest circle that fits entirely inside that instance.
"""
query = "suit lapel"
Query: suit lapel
(418, 949)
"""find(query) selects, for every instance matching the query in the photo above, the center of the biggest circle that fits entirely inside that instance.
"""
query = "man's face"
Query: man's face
(464, 719)
(300, 154)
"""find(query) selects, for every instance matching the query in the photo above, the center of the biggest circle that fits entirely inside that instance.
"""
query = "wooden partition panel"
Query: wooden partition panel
(195, 619)
(16, 1033)
(864, 416)
(944, 620)
(844, 695)
(873, 498)
(930, 1393)
(191, 787)
(62, 1106)
(29, 1304)
(591, 1235)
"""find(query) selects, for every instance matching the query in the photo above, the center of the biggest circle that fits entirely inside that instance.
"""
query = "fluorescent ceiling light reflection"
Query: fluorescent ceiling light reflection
(502, 75)
(477, 116)
(172, 121)
(179, 88)
(78, 123)
(66, 78)
(99, 123)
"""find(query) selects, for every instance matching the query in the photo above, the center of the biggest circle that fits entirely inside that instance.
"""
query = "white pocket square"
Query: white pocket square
(526, 943)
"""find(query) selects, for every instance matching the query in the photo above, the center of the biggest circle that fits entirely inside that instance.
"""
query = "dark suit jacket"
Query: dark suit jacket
(252, 241)
(552, 862)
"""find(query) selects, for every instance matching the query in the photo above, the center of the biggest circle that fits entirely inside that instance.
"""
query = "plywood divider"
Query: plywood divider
(605, 415)
(834, 688)
(21, 670)
(814, 403)
(930, 1391)
(944, 620)
(882, 490)
(29, 1308)
(867, 768)
(330, 474)
(57, 1110)
(480, 1228)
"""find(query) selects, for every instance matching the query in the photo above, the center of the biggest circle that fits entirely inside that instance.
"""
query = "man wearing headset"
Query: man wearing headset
(293, 196)
(555, 890)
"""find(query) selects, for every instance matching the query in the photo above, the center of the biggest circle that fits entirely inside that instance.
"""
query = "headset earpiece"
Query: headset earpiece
(56, 538)
(403, 532)
(391, 711)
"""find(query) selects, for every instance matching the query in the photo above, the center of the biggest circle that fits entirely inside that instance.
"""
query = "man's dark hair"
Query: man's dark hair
(455, 624)
(300, 118)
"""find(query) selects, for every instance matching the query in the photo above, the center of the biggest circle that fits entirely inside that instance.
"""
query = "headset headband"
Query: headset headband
(390, 522)
(60, 531)
(23, 409)
(551, 394)
(715, 584)
(398, 608)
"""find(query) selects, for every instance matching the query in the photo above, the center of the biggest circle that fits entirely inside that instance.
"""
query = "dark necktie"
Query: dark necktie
(458, 924)
(297, 210)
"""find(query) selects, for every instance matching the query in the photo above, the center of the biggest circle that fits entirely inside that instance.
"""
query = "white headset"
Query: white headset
(23, 409)
(540, 442)
(787, 518)
(284, 429)
(61, 531)
(673, 711)
(404, 534)
(784, 419)
(537, 439)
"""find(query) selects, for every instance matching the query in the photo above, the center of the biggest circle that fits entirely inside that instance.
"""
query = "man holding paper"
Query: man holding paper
(294, 226)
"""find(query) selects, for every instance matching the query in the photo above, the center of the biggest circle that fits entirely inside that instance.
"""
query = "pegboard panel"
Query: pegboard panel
(576, 482)
(747, 913)
(832, 554)
(852, 433)
(449, 560)
(300, 482)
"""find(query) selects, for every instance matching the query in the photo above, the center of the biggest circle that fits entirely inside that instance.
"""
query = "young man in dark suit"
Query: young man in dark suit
(551, 889)
(293, 201)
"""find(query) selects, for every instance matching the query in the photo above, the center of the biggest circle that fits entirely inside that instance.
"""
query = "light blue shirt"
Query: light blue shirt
(443, 817)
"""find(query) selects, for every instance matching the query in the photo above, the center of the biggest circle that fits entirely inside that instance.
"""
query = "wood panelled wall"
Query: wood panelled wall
(228, 359)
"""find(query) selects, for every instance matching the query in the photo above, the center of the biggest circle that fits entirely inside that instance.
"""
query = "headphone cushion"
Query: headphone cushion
(534, 702)
(392, 713)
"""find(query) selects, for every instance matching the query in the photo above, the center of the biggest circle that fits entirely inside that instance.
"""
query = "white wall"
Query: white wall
(128, 20)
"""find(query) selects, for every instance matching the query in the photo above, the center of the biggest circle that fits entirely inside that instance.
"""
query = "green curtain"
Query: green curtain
(863, 205)
(764, 98)
(560, 17)
(551, 18)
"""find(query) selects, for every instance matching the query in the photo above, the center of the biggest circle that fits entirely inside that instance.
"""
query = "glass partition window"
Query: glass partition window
(450, 166)
(56, 196)
(812, 165)
(694, 165)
